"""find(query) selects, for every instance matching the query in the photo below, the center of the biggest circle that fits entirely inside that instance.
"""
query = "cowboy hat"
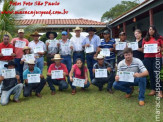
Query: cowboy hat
(31, 61)
(77, 28)
(26, 48)
(91, 29)
(99, 56)
(10, 63)
(35, 34)
(57, 57)
(48, 33)
(21, 31)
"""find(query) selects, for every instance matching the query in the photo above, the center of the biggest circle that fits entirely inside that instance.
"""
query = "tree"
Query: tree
(118, 10)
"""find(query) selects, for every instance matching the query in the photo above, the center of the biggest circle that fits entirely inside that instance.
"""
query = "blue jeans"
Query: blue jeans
(78, 55)
(16, 90)
(67, 61)
(125, 86)
(40, 63)
(19, 68)
(90, 63)
(61, 83)
(85, 85)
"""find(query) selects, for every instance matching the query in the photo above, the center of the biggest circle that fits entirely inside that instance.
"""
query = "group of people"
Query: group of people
(79, 62)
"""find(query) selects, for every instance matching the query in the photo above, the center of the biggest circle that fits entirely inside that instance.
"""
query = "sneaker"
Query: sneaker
(38, 95)
(53, 93)
(110, 91)
(73, 92)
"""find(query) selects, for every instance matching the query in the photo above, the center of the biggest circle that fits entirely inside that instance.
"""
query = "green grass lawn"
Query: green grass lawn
(88, 106)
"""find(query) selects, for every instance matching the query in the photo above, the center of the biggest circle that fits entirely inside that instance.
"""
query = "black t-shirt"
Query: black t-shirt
(138, 54)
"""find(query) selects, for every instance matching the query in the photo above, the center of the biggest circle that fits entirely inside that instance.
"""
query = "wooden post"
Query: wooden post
(68, 31)
(124, 27)
(151, 17)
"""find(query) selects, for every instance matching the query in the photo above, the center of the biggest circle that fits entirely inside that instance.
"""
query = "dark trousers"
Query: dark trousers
(33, 86)
(153, 66)
(112, 62)
(49, 61)
(19, 68)
(99, 82)
(61, 83)
(90, 63)
(77, 55)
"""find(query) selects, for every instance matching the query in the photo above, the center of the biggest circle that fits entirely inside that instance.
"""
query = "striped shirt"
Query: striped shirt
(136, 66)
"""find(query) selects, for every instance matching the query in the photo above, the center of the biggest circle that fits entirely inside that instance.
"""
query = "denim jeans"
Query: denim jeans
(150, 64)
(33, 86)
(40, 63)
(125, 86)
(99, 82)
(90, 63)
(19, 68)
(67, 61)
(61, 83)
(78, 55)
(16, 90)
(85, 85)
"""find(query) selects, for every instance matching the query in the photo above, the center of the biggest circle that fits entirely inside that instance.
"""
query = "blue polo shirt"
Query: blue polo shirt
(35, 71)
(109, 45)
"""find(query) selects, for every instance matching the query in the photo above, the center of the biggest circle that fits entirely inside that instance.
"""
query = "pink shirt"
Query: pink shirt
(19, 51)
(77, 72)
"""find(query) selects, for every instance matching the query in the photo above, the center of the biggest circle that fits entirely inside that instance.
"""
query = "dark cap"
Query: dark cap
(10, 63)
(122, 34)
(106, 32)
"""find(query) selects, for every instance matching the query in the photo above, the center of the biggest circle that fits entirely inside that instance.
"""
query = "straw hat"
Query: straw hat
(21, 31)
(35, 34)
(26, 48)
(77, 28)
(57, 57)
(31, 61)
(99, 56)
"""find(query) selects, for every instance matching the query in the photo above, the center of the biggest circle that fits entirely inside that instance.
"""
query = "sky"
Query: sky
(87, 9)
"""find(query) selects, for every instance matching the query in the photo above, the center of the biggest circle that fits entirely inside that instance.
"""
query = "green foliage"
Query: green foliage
(118, 10)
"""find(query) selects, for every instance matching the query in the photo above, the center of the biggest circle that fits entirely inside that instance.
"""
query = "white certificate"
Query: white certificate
(29, 57)
(89, 49)
(120, 45)
(33, 78)
(101, 73)
(78, 82)
(126, 76)
(105, 52)
(8, 73)
(53, 43)
(38, 49)
(133, 45)
(7, 51)
(57, 74)
(20, 44)
(150, 48)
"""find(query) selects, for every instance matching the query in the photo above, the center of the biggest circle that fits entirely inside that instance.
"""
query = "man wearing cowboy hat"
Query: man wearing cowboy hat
(19, 43)
(77, 45)
(92, 40)
(99, 82)
(52, 46)
(11, 86)
(37, 87)
(41, 49)
(61, 82)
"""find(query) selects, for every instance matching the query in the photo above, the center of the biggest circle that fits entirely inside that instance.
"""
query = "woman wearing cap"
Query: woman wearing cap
(80, 71)
(52, 46)
(26, 51)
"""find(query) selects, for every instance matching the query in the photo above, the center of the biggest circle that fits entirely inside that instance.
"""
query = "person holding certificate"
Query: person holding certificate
(80, 72)
(19, 43)
(39, 49)
(11, 86)
(52, 46)
(109, 43)
(77, 41)
(103, 72)
(91, 44)
(7, 50)
(131, 72)
(33, 79)
(153, 59)
(60, 79)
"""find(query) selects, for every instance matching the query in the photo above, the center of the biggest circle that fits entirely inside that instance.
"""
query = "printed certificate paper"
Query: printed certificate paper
(89, 49)
(78, 82)
(133, 45)
(100, 73)
(105, 52)
(126, 76)
(20, 44)
(120, 45)
(29, 57)
(33, 78)
(7, 51)
(8, 73)
(150, 48)
(38, 49)
(57, 74)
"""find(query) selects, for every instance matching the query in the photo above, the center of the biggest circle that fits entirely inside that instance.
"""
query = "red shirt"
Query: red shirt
(77, 72)
(61, 67)
(6, 58)
(153, 41)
